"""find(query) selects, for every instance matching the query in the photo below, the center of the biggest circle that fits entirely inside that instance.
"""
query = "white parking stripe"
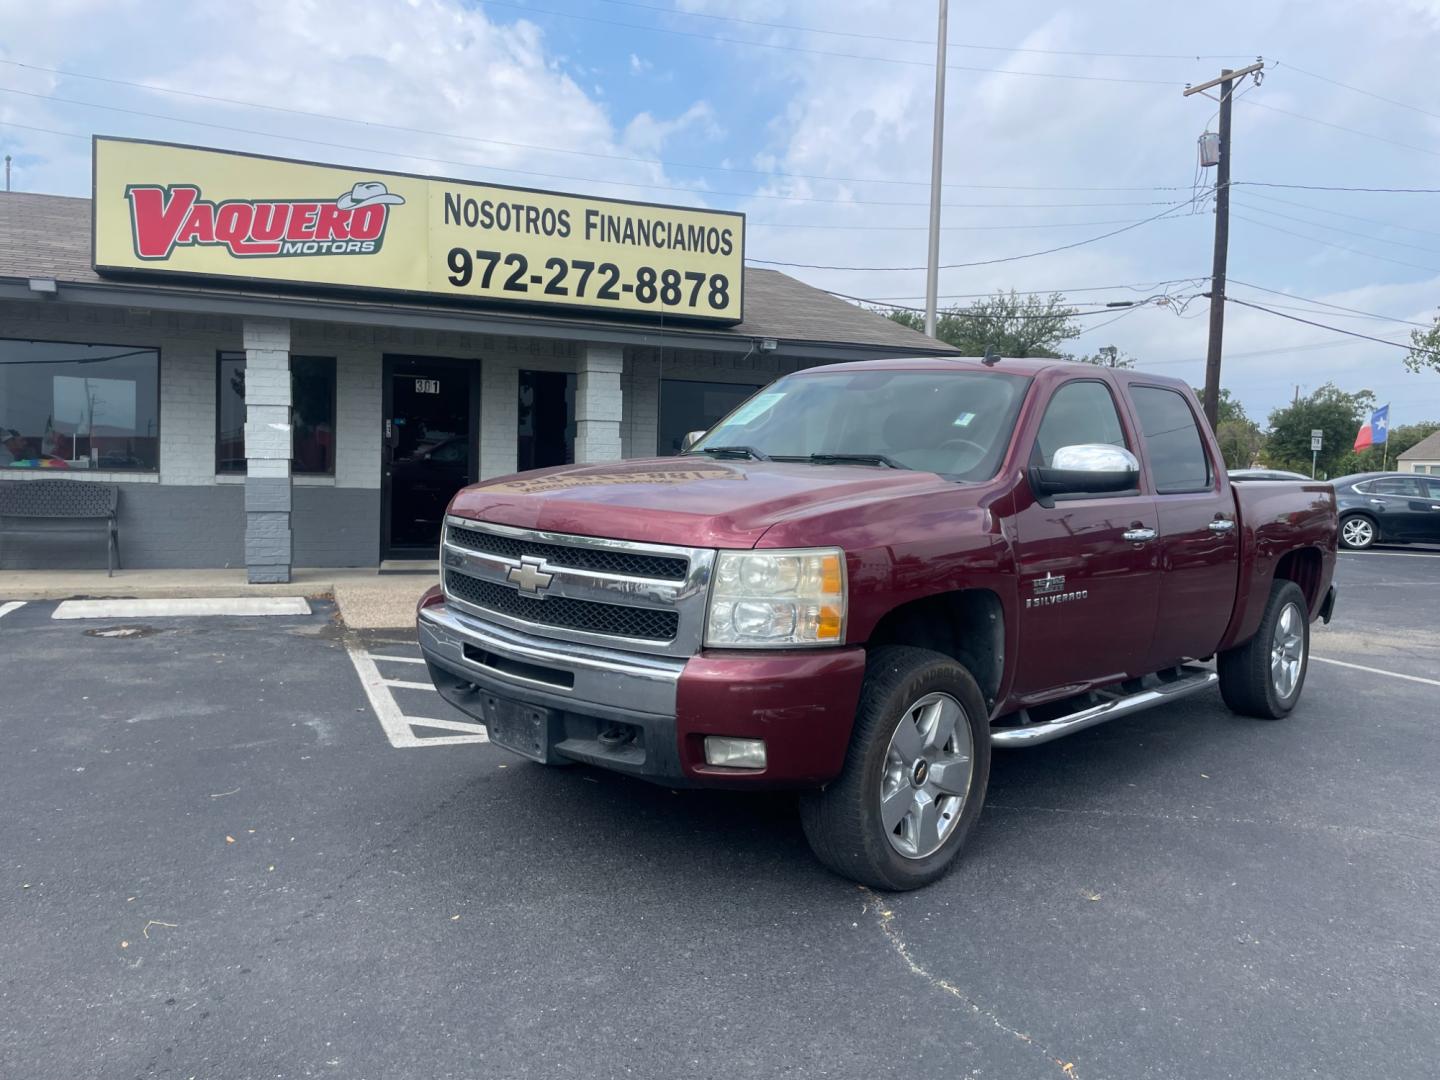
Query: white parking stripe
(398, 659)
(398, 727)
(401, 684)
(1392, 554)
(1375, 670)
(13, 605)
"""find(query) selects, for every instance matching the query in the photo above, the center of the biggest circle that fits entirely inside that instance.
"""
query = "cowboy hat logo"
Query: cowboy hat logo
(368, 193)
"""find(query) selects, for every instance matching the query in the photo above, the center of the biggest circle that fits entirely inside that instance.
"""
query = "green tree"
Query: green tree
(1240, 438)
(1107, 356)
(1008, 323)
(1424, 348)
(1334, 412)
(1229, 408)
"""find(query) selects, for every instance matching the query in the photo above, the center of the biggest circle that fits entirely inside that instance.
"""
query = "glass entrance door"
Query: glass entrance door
(428, 448)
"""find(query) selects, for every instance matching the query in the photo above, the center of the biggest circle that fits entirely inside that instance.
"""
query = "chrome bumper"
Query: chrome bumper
(549, 672)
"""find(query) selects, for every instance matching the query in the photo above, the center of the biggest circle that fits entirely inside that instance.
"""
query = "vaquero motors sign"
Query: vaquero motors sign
(161, 208)
(165, 218)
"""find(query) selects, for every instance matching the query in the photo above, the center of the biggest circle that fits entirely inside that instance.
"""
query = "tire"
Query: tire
(1263, 677)
(845, 823)
(1358, 532)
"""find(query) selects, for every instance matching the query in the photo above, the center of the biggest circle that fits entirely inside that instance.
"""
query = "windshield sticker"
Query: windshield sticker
(963, 420)
(755, 408)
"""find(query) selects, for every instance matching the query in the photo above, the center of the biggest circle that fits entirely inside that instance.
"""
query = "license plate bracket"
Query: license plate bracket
(520, 728)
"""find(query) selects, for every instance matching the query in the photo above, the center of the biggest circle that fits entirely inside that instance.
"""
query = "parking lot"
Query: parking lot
(260, 847)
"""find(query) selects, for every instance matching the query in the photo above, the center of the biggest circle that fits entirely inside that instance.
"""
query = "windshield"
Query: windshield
(956, 423)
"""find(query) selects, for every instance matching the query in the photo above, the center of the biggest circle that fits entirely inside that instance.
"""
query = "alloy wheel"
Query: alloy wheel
(1287, 651)
(929, 766)
(1357, 533)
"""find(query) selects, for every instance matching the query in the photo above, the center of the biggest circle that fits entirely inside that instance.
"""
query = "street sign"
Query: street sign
(1317, 439)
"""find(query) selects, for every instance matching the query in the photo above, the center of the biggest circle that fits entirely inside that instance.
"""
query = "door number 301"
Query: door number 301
(427, 386)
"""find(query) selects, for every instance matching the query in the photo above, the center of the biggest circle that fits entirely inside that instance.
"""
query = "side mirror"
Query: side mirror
(691, 438)
(1086, 469)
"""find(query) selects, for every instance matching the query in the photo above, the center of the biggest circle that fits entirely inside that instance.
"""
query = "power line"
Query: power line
(752, 44)
(1340, 247)
(980, 262)
(152, 88)
(545, 175)
(1340, 127)
(922, 228)
(1346, 86)
(919, 41)
(1326, 303)
(1138, 286)
(1251, 354)
(1341, 213)
(1336, 228)
(1328, 187)
(961, 314)
(1311, 322)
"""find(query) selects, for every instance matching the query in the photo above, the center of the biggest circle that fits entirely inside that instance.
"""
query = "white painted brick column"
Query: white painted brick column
(499, 417)
(599, 403)
(268, 541)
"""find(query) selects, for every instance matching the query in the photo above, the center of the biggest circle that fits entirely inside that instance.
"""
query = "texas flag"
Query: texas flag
(1376, 431)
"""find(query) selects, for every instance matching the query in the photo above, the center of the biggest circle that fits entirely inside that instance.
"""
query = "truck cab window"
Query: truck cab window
(1082, 411)
(1178, 460)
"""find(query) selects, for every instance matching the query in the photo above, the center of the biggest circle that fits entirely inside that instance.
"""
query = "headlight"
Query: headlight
(777, 598)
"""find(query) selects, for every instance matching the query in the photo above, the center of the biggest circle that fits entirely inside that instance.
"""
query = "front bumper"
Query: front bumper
(648, 715)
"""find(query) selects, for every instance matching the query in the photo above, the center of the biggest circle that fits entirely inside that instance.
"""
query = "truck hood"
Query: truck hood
(693, 501)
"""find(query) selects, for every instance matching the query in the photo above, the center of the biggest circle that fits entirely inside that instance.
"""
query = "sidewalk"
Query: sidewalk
(366, 599)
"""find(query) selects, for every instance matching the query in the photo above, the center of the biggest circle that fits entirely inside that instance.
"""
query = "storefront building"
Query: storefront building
(321, 415)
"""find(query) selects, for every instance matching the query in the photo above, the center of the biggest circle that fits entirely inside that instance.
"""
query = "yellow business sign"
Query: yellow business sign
(162, 208)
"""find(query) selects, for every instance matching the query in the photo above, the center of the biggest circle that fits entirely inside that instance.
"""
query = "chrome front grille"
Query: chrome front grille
(604, 560)
(615, 620)
(619, 594)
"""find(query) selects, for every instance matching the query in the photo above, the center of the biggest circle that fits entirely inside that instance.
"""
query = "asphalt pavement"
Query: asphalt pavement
(245, 848)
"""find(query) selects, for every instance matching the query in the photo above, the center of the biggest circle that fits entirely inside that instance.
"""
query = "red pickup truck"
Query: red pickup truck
(866, 577)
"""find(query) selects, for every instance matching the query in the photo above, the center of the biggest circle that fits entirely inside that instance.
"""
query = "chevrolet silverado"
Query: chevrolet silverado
(869, 575)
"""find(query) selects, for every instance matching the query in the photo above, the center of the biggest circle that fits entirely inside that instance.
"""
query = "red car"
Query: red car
(869, 575)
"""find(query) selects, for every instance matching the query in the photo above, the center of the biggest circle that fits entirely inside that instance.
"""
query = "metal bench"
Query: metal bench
(61, 501)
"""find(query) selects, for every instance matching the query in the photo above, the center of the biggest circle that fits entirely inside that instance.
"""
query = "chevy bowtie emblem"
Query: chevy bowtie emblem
(1050, 583)
(530, 576)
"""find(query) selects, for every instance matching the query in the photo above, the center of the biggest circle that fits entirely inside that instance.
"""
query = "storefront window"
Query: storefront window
(546, 429)
(312, 413)
(687, 405)
(67, 406)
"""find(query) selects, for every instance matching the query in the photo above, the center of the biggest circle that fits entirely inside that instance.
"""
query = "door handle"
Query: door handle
(1377, 502)
(1139, 536)
(1434, 507)
(1222, 526)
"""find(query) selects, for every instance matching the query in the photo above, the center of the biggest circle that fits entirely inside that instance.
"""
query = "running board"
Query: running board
(1193, 679)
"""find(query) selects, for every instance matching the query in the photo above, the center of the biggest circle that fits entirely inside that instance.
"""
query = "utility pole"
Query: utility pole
(7, 172)
(1226, 82)
(932, 263)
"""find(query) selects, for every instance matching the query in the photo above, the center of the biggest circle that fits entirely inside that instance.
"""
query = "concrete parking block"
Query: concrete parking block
(181, 608)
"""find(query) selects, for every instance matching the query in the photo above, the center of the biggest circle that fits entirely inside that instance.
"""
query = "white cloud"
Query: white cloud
(436, 65)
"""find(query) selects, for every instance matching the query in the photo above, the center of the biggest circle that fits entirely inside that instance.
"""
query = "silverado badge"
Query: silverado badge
(1051, 590)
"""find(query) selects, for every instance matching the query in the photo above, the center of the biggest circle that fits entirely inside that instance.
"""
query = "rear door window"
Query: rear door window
(1178, 461)
(1404, 486)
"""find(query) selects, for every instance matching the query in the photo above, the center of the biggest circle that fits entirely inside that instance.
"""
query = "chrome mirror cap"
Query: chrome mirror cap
(1095, 458)
(691, 438)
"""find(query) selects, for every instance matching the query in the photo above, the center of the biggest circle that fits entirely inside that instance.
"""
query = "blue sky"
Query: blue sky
(823, 139)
